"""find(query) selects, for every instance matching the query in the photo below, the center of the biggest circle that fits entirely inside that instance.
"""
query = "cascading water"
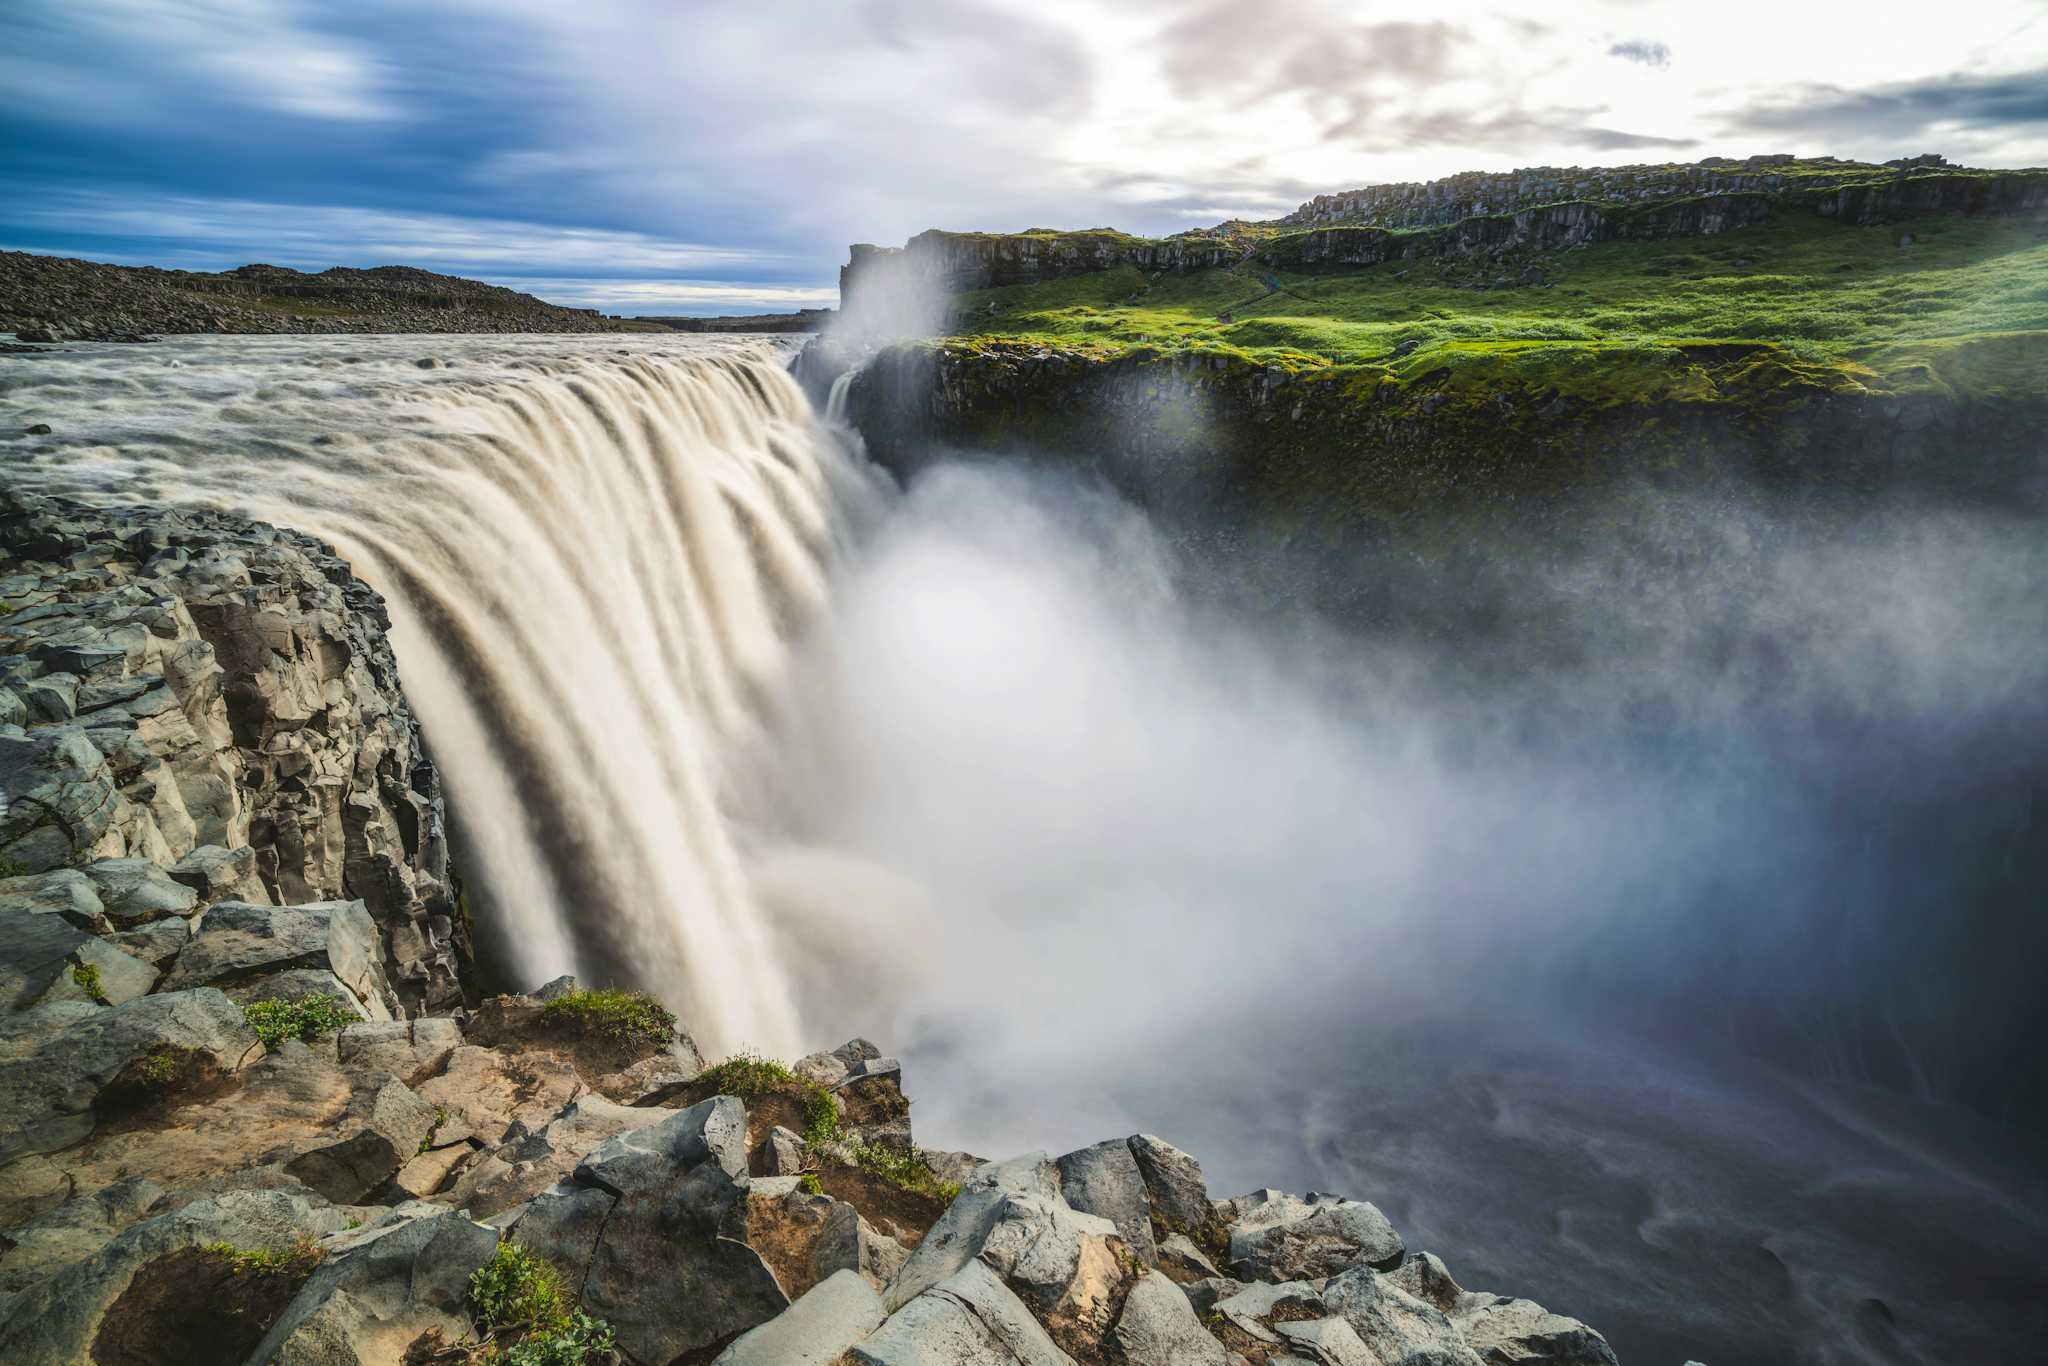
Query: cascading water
(596, 555)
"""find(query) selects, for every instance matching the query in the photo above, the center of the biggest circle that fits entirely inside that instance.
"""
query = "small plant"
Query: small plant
(747, 1075)
(157, 1070)
(87, 975)
(625, 1015)
(12, 867)
(808, 1183)
(907, 1170)
(297, 1260)
(521, 1296)
(277, 1019)
(440, 1118)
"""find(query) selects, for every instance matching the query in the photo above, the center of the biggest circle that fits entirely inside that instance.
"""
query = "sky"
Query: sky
(668, 156)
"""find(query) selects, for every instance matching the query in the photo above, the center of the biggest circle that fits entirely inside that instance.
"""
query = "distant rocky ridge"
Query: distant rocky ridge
(246, 1114)
(1542, 209)
(52, 299)
(803, 320)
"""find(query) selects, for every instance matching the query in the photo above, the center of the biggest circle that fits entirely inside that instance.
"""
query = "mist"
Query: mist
(1737, 815)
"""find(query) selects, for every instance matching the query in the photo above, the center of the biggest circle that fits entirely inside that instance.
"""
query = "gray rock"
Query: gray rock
(1158, 1327)
(961, 1231)
(561, 986)
(156, 943)
(850, 1243)
(528, 1162)
(714, 1129)
(65, 892)
(1393, 1324)
(1179, 1255)
(55, 1063)
(1514, 1332)
(55, 1322)
(35, 951)
(969, 1319)
(70, 1233)
(785, 1152)
(1173, 1183)
(382, 1131)
(1251, 1306)
(1103, 1179)
(134, 891)
(407, 1049)
(53, 697)
(120, 977)
(379, 1289)
(1062, 1263)
(563, 1223)
(832, 1316)
(1278, 1237)
(216, 873)
(61, 798)
(249, 951)
(1333, 1342)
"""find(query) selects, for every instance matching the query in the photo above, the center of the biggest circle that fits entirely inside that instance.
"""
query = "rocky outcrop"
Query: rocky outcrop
(210, 725)
(56, 299)
(950, 262)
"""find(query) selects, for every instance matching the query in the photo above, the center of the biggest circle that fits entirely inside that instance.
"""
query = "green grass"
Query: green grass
(298, 1260)
(631, 1016)
(276, 1020)
(747, 1075)
(524, 1299)
(12, 867)
(907, 1170)
(1845, 300)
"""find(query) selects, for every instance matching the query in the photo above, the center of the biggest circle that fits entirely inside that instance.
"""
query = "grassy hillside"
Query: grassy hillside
(1964, 305)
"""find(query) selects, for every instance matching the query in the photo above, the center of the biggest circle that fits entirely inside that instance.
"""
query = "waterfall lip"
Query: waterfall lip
(596, 552)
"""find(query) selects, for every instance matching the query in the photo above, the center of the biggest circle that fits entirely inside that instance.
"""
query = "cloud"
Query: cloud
(1642, 51)
(1905, 109)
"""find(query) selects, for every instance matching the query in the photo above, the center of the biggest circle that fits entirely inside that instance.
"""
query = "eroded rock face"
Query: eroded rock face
(1280, 1237)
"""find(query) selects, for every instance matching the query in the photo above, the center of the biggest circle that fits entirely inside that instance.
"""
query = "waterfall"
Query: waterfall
(595, 561)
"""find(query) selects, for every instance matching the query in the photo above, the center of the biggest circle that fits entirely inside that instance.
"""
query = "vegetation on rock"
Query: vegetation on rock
(630, 1016)
(87, 976)
(529, 1316)
(276, 1019)
(296, 1260)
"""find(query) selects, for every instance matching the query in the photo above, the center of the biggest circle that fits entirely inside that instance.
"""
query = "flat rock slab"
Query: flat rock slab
(815, 1331)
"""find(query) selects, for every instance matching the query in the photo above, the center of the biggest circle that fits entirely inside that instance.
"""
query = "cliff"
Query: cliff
(245, 1115)
(53, 299)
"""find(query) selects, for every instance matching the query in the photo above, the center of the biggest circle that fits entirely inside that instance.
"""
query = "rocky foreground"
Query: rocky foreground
(47, 299)
(254, 1108)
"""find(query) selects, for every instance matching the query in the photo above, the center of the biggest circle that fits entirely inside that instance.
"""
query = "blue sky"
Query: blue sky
(672, 156)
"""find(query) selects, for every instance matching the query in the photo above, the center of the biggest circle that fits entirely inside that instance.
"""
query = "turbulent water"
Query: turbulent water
(596, 554)
(1649, 977)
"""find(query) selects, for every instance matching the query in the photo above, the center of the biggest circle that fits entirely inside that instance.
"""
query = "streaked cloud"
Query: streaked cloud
(1642, 52)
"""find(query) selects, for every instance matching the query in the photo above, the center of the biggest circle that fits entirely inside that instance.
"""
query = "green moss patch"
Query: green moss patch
(276, 1019)
(622, 1016)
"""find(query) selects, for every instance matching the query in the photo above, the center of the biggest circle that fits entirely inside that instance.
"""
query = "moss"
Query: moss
(907, 1170)
(296, 1260)
(13, 867)
(622, 1015)
(276, 1019)
(87, 976)
(156, 1070)
(809, 1184)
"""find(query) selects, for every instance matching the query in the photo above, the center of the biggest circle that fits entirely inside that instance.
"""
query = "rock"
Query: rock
(61, 798)
(961, 1231)
(785, 1152)
(816, 1330)
(118, 977)
(1251, 1307)
(57, 1322)
(53, 697)
(382, 1131)
(67, 893)
(1103, 1179)
(713, 1130)
(380, 1288)
(429, 1171)
(1278, 1237)
(70, 1233)
(1334, 1342)
(561, 986)
(1158, 1327)
(1173, 1183)
(969, 1319)
(1393, 1324)
(1069, 1267)
(829, 1069)
(216, 874)
(1181, 1260)
(1515, 1332)
(849, 1242)
(35, 951)
(486, 1092)
(135, 891)
(256, 951)
(411, 1050)
(527, 1163)
(54, 1068)
(37, 334)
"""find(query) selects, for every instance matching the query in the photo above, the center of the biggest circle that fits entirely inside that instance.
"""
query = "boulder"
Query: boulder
(1394, 1325)
(61, 798)
(1173, 1183)
(156, 943)
(380, 1288)
(70, 1233)
(66, 892)
(35, 951)
(1513, 1332)
(254, 951)
(410, 1050)
(56, 1063)
(134, 891)
(831, 1317)
(216, 873)
(1279, 1237)
(115, 977)
(961, 1231)
(58, 1321)
(528, 1162)
(1180, 1259)
(968, 1319)
(383, 1130)
(1104, 1180)
(1071, 1268)
(1158, 1327)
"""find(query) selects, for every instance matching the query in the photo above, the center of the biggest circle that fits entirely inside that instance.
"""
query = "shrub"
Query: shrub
(808, 1183)
(747, 1075)
(522, 1296)
(87, 975)
(12, 867)
(624, 1015)
(277, 1019)
(156, 1070)
(907, 1170)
